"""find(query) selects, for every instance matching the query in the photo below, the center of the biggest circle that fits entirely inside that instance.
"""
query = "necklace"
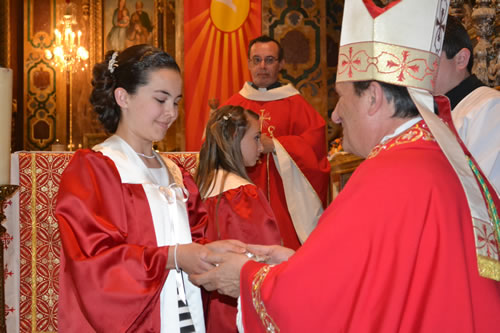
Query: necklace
(145, 156)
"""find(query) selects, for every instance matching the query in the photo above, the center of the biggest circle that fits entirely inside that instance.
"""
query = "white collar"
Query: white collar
(232, 181)
(403, 127)
(131, 168)
(274, 94)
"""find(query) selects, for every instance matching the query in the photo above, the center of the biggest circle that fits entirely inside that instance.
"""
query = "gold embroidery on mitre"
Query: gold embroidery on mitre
(388, 63)
(260, 308)
(417, 132)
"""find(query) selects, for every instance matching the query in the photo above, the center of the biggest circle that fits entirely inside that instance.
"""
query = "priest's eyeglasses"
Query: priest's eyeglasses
(256, 60)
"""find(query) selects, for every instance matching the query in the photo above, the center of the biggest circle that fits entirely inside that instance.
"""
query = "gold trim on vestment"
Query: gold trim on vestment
(414, 133)
(33, 243)
(388, 63)
(260, 308)
(488, 268)
(486, 233)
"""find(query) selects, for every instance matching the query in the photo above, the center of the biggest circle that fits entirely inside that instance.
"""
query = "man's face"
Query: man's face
(446, 72)
(263, 75)
(350, 113)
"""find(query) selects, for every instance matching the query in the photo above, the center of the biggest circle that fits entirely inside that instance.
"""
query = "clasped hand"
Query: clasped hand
(192, 257)
(225, 276)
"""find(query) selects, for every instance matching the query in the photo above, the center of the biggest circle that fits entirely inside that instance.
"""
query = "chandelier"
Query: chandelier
(68, 53)
(70, 56)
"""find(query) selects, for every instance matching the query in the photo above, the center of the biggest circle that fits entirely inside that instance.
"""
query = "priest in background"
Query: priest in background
(293, 171)
(475, 107)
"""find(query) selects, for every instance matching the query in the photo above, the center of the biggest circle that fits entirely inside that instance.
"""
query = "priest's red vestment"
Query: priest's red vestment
(241, 213)
(112, 269)
(301, 131)
(394, 252)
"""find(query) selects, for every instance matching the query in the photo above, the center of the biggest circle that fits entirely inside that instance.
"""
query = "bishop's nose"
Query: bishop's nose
(335, 114)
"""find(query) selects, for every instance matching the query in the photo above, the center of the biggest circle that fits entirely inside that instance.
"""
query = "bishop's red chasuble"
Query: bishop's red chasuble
(394, 252)
(300, 129)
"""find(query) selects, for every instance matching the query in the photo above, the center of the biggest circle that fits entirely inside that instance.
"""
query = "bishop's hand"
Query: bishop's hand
(225, 277)
(273, 254)
(227, 245)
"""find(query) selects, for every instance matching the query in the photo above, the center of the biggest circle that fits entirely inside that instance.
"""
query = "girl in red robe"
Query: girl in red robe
(129, 219)
(236, 207)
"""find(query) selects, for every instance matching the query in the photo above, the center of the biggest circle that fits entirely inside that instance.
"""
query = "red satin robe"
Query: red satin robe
(394, 252)
(301, 131)
(243, 213)
(112, 270)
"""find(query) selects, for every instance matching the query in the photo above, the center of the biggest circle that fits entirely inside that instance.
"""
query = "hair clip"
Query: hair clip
(226, 117)
(112, 62)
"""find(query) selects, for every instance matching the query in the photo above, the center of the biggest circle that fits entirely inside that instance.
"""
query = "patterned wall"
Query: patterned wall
(39, 75)
(300, 27)
(334, 11)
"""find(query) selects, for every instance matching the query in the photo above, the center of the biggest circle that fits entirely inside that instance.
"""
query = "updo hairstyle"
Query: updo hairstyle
(129, 69)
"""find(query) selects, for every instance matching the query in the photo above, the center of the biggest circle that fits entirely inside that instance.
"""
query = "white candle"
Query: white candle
(5, 123)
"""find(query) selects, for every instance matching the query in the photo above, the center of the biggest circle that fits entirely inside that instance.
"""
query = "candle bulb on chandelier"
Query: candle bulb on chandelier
(79, 35)
(58, 37)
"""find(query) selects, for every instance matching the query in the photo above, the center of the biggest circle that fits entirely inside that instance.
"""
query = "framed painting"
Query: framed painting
(118, 24)
(128, 23)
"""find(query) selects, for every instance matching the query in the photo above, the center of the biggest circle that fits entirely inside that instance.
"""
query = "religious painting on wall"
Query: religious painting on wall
(127, 23)
(118, 24)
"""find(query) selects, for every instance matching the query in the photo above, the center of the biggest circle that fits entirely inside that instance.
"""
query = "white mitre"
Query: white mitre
(399, 44)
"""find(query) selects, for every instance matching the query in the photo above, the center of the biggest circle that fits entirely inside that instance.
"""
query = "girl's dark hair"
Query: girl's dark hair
(221, 149)
(132, 68)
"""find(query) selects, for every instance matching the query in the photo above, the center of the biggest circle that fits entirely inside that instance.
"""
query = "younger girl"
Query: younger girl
(238, 209)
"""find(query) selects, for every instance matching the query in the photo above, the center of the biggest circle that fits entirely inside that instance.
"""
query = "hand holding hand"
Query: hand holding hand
(191, 258)
(225, 277)
(274, 254)
(227, 245)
